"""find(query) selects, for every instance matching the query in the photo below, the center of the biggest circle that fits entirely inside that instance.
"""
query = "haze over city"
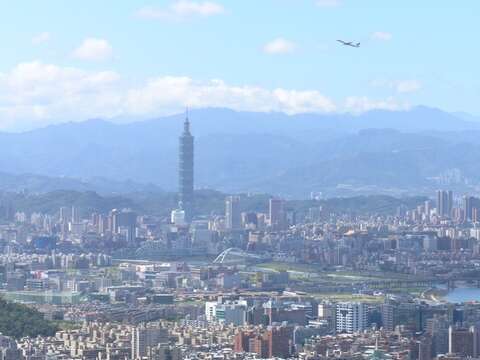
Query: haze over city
(239, 180)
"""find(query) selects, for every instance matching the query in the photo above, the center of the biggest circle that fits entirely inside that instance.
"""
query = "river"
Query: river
(463, 294)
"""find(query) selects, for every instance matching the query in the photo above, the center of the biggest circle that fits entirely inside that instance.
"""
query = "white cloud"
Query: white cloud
(360, 104)
(93, 49)
(171, 93)
(408, 86)
(382, 36)
(181, 9)
(34, 94)
(279, 46)
(400, 86)
(328, 3)
(41, 38)
(188, 8)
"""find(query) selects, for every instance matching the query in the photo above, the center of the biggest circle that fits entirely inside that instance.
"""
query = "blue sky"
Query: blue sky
(66, 61)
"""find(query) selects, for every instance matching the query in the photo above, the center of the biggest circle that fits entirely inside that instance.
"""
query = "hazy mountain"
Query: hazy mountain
(39, 184)
(379, 151)
(466, 116)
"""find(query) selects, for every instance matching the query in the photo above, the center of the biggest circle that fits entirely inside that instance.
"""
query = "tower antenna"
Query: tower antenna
(186, 124)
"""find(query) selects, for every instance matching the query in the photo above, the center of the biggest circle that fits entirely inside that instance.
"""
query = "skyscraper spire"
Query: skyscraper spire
(185, 169)
(186, 123)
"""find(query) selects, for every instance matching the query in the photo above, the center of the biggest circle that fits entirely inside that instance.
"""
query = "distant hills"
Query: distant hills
(405, 152)
(207, 202)
(41, 183)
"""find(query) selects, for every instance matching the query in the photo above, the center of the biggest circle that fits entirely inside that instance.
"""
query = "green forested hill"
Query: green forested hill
(206, 202)
(18, 320)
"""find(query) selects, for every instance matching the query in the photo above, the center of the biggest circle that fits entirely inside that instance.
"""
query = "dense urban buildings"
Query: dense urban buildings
(263, 277)
(320, 200)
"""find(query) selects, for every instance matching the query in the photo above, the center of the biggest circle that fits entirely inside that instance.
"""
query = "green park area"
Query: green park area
(337, 297)
(314, 274)
(315, 271)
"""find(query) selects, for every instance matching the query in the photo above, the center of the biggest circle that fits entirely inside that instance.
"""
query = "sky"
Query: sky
(126, 60)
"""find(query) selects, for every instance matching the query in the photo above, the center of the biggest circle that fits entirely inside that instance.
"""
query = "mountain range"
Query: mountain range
(389, 152)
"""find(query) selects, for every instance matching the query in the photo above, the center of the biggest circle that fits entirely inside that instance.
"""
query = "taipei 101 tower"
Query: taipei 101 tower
(185, 171)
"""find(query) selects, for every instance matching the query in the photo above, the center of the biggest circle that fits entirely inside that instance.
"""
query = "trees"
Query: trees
(18, 320)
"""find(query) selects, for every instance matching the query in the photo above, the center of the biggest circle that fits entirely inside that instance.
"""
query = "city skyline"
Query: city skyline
(319, 198)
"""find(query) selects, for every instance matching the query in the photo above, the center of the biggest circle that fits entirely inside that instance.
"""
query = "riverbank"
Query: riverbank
(435, 294)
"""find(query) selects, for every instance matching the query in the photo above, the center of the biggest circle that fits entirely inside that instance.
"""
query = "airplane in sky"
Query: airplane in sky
(349, 43)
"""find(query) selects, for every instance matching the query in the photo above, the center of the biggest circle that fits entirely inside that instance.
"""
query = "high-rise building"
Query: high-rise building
(210, 310)
(165, 352)
(437, 328)
(185, 171)
(75, 215)
(124, 221)
(387, 310)
(471, 205)
(6, 210)
(233, 216)
(439, 202)
(144, 338)
(279, 339)
(449, 202)
(351, 317)
(463, 341)
(425, 348)
(427, 208)
(250, 220)
(277, 214)
(65, 214)
(9, 349)
(251, 342)
(444, 203)
(274, 342)
(327, 311)
(228, 313)
(177, 217)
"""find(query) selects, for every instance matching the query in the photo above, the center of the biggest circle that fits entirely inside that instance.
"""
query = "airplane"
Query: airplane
(349, 43)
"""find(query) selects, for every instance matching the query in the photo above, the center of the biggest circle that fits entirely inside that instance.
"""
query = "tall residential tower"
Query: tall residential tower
(185, 171)
(233, 216)
(444, 203)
